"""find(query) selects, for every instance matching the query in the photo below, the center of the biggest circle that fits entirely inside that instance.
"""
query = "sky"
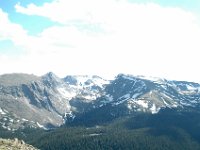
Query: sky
(155, 38)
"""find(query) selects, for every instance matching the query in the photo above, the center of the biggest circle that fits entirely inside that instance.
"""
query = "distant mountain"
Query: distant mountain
(49, 101)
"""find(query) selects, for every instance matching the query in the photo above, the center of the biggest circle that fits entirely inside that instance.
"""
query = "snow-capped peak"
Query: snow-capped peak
(86, 80)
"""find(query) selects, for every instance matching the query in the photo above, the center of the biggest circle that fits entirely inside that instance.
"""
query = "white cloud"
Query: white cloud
(109, 37)
(11, 31)
(64, 11)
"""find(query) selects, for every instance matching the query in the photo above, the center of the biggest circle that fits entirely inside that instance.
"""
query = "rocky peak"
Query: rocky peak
(51, 79)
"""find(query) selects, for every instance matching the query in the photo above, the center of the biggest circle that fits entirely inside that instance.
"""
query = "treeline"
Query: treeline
(167, 130)
(111, 139)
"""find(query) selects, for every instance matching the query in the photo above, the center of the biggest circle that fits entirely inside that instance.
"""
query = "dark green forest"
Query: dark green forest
(168, 130)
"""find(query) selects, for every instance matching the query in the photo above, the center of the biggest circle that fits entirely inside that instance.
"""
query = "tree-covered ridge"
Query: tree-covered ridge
(168, 130)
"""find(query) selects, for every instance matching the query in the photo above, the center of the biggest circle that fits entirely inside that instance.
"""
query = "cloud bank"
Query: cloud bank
(106, 37)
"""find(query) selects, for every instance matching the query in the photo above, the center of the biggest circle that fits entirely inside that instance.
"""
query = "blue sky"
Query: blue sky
(31, 24)
(107, 37)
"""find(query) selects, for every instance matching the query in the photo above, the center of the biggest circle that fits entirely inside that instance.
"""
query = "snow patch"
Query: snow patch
(109, 97)
(154, 110)
(167, 96)
(40, 126)
(100, 82)
(120, 102)
(136, 95)
(65, 93)
(166, 104)
(69, 115)
(11, 120)
(125, 96)
(163, 86)
(90, 97)
(5, 119)
(6, 127)
(189, 87)
(155, 79)
(142, 103)
(128, 77)
(23, 119)
(95, 80)
(129, 106)
(193, 101)
(184, 103)
(174, 105)
(95, 134)
(101, 105)
(2, 112)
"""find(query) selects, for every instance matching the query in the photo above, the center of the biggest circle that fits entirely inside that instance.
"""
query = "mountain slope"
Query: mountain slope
(27, 100)
(49, 101)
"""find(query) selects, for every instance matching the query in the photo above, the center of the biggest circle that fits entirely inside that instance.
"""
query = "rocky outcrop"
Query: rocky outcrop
(14, 144)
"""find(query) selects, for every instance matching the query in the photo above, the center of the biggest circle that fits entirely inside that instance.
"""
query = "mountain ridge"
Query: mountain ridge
(49, 101)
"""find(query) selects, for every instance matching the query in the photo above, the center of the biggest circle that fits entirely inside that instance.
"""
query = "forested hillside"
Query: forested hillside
(167, 130)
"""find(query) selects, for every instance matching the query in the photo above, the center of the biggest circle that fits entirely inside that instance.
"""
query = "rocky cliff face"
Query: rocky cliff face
(27, 100)
(50, 101)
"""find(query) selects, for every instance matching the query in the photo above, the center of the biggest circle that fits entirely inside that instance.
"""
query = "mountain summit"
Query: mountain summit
(49, 101)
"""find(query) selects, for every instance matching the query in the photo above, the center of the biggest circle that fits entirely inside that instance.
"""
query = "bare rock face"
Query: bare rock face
(49, 101)
(15, 144)
(30, 101)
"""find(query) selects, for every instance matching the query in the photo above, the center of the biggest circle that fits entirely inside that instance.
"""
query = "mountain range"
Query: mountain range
(48, 101)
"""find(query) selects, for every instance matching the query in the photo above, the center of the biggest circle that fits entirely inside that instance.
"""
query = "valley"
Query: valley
(89, 112)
